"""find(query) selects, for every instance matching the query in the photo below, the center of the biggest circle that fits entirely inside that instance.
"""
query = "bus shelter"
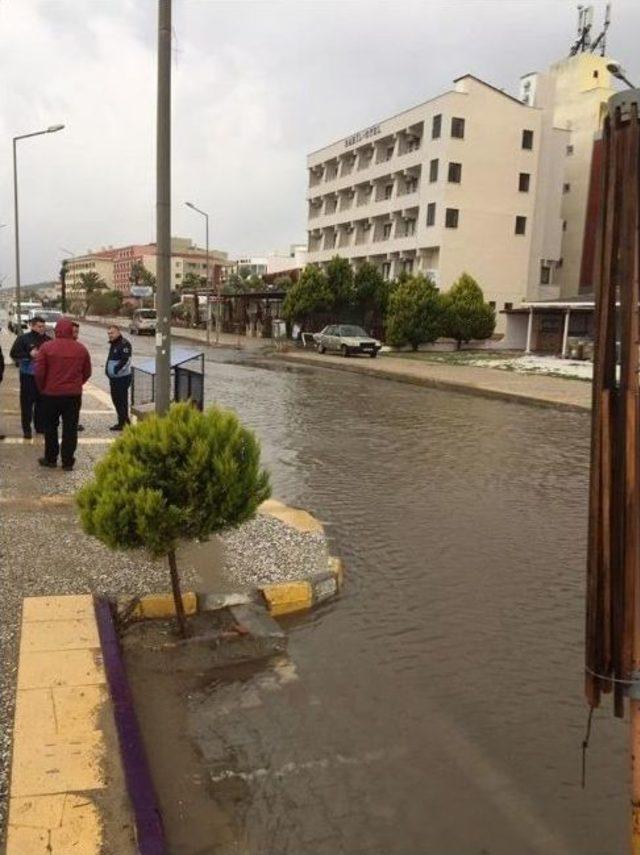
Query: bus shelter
(187, 379)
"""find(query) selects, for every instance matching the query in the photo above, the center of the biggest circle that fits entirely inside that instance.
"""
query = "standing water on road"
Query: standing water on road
(436, 706)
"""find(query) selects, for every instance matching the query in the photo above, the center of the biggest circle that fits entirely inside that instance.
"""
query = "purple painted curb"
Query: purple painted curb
(148, 818)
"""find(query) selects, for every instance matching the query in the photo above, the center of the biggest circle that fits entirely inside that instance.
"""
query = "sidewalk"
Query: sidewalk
(242, 342)
(540, 391)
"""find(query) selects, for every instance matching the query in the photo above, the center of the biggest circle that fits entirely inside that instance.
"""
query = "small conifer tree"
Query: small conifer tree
(466, 315)
(182, 476)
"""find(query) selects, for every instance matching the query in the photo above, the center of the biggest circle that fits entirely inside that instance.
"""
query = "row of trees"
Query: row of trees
(408, 311)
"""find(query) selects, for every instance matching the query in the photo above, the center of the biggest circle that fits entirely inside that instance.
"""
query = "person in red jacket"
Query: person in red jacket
(62, 367)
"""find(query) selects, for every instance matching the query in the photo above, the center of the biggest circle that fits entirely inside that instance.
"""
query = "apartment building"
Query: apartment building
(115, 264)
(469, 181)
(100, 263)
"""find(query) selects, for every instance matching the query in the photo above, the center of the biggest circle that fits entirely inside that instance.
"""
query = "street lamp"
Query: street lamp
(618, 71)
(209, 282)
(52, 129)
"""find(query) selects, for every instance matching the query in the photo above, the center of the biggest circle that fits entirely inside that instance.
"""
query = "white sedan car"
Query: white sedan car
(348, 340)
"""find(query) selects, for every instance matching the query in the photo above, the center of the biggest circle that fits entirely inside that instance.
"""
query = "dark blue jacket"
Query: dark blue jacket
(119, 359)
(21, 350)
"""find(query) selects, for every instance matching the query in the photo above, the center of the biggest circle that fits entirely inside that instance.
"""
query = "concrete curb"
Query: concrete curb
(434, 383)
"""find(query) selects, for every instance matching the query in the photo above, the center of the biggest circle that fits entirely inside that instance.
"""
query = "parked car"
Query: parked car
(49, 316)
(17, 326)
(143, 321)
(348, 340)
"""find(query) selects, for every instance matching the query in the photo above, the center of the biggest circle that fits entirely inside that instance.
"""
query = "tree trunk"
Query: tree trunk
(177, 594)
(458, 344)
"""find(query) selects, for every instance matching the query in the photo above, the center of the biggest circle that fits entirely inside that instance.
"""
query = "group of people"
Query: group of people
(53, 372)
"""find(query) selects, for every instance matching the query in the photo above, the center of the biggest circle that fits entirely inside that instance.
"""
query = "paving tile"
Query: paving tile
(80, 832)
(42, 812)
(74, 634)
(58, 608)
(35, 715)
(27, 841)
(53, 669)
(77, 709)
(61, 765)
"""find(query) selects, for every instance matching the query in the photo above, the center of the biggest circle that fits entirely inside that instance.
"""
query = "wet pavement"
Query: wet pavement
(437, 705)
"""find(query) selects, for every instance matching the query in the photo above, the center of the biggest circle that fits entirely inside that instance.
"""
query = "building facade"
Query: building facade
(464, 182)
(116, 265)
(576, 91)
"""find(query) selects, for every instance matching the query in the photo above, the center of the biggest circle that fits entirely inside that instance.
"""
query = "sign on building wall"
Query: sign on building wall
(373, 131)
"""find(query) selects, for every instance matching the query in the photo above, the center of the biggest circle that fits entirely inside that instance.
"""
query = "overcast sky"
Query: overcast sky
(256, 86)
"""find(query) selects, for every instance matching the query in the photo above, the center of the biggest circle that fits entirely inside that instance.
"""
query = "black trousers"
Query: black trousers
(67, 408)
(120, 398)
(30, 404)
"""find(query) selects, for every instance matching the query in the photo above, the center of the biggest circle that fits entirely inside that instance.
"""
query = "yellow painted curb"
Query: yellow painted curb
(162, 606)
(288, 597)
(297, 518)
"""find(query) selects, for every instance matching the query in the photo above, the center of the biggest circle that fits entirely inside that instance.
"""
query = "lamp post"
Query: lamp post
(50, 130)
(209, 282)
(618, 71)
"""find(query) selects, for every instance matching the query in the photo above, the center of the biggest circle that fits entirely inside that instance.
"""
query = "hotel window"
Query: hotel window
(389, 153)
(451, 218)
(508, 307)
(566, 188)
(386, 270)
(523, 182)
(569, 149)
(410, 227)
(388, 190)
(455, 173)
(386, 230)
(431, 213)
(492, 303)
(527, 139)
(564, 225)
(436, 127)
(521, 225)
(411, 185)
(433, 170)
(545, 274)
(457, 128)
(413, 144)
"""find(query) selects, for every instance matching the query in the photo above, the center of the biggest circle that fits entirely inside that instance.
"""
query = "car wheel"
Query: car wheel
(373, 354)
(344, 350)
(321, 348)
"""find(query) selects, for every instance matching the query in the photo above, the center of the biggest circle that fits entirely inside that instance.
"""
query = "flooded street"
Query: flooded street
(436, 706)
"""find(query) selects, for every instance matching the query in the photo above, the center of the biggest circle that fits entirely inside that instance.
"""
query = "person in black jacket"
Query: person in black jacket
(23, 353)
(118, 370)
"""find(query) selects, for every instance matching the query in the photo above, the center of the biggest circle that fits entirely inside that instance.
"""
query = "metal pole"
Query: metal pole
(163, 210)
(16, 235)
(206, 216)
(218, 309)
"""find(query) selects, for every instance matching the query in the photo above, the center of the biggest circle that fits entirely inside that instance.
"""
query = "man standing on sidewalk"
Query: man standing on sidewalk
(62, 367)
(23, 352)
(118, 370)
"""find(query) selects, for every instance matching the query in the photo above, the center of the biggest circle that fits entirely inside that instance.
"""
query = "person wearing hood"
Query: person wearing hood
(23, 353)
(62, 367)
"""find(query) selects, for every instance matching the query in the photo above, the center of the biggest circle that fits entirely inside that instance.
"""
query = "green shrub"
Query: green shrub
(466, 316)
(415, 312)
(182, 476)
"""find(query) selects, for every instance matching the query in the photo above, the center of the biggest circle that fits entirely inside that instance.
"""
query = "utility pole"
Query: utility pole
(613, 568)
(163, 211)
(209, 283)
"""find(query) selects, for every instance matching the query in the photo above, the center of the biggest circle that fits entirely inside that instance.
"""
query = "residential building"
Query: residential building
(115, 265)
(100, 263)
(468, 181)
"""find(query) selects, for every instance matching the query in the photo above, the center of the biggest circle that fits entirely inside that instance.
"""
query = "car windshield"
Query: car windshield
(353, 331)
(148, 314)
(50, 316)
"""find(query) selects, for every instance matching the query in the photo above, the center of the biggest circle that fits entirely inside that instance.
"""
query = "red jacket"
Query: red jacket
(63, 365)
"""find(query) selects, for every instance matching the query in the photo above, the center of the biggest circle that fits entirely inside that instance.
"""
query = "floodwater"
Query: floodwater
(437, 706)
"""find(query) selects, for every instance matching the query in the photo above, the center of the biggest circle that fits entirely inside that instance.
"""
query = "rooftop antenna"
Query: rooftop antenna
(585, 21)
(601, 41)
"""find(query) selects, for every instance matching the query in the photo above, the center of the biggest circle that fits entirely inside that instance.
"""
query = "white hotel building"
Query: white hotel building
(469, 181)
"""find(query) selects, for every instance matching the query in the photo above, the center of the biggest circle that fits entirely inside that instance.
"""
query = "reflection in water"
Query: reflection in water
(453, 659)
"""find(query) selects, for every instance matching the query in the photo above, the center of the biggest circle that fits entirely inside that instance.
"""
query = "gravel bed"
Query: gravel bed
(266, 550)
